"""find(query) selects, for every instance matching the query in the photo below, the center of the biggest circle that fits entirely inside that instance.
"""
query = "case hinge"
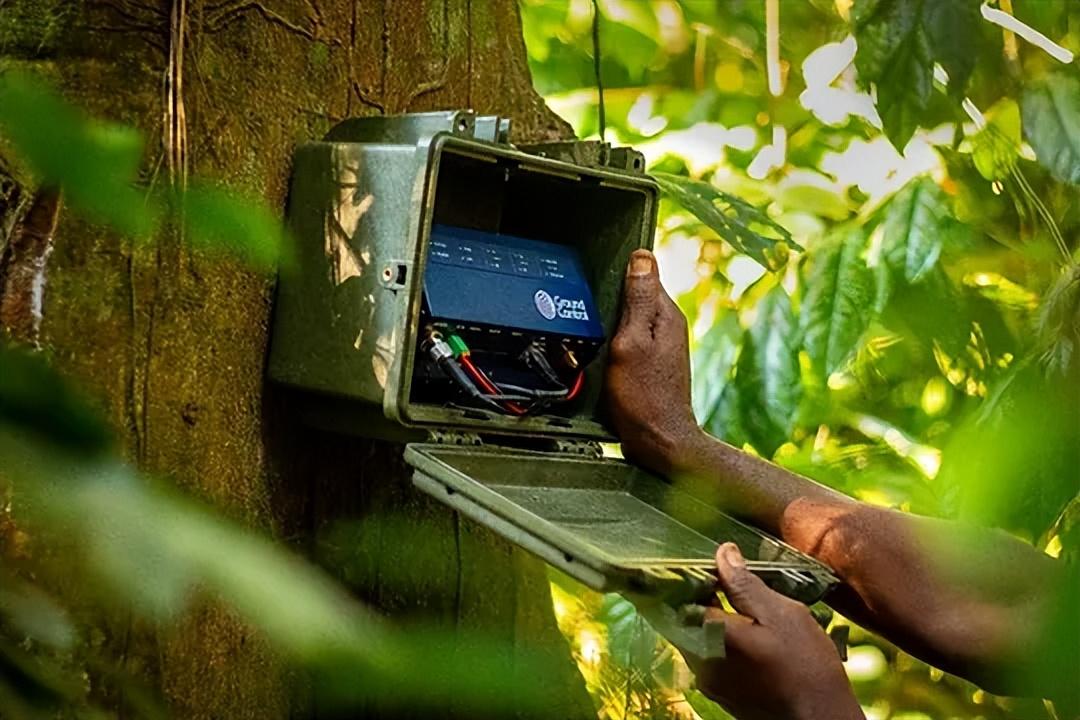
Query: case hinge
(590, 153)
(454, 437)
(586, 448)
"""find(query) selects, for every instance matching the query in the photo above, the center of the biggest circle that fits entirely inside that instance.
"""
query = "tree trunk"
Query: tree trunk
(173, 342)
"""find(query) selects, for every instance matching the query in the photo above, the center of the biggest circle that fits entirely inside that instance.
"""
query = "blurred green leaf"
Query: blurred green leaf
(725, 420)
(35, 399)
(631, 41)
(1014, 462)
(894, 54)
(996, 147)
(1059, 324)
(952, 29)
(34, 687)
(127, 537)
(704, 707)
(34, 614)
(768, 373)
(222, 220)
(712, 362)
(838, 304)
(915, 229)
(737, 222)
(631, 641)
(95, 164)
(793, 194)
(1051, 110)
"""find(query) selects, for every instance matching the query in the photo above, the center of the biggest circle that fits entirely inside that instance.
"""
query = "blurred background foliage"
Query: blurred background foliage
(871, 226)
(899, 320)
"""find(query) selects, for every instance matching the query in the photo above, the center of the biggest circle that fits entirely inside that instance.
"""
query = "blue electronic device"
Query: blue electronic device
(507, 283)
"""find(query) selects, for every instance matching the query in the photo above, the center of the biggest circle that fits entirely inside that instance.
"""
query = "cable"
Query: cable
(596, 69)
(534, 358)
(486, 383)
(456, 358)
(534, 393)
(442, 355)
(578, 384)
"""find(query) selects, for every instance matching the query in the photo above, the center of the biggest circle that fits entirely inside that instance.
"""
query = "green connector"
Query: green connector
(457, 346)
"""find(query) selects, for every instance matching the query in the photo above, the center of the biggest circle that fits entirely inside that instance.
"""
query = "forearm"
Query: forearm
(966, 600)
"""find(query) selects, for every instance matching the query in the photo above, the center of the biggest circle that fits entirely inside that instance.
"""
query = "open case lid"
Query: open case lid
(605, 522)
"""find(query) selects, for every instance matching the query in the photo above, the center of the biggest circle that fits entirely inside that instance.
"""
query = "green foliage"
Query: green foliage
(631, 642)
(96, 165)
(837, 307)
(219, 220)
(931, 321)
(899, 42)
(1059, 324)
(1051, 109)
(705, 708)
(35, 399)
(1013, 464)
(916, 225)
(921, 351)
(717, 351)
(768, 372)
(736, 221)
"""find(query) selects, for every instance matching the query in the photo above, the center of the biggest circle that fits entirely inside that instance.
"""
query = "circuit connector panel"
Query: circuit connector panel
(509, 322)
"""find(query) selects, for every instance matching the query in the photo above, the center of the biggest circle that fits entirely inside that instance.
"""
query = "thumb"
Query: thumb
(642, 290)
(744, 590)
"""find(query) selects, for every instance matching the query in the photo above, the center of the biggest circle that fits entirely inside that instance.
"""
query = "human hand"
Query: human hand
(648, 373)
(779, 665)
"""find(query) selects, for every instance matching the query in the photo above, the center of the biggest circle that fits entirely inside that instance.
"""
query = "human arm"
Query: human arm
(971, 601)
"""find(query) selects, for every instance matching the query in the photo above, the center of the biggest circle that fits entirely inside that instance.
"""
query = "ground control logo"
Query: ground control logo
(552, 307)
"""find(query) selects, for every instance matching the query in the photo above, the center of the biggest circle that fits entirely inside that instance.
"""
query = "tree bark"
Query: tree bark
(172, 342)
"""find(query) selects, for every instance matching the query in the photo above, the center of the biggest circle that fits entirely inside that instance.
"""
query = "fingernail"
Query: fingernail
(642, 262)
(734, 557)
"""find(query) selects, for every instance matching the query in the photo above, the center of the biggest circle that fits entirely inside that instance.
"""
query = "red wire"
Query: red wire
(488, 386)
(578, 384)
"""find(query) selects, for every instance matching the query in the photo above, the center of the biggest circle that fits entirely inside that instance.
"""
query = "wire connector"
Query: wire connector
(437, 348)
(458, 346)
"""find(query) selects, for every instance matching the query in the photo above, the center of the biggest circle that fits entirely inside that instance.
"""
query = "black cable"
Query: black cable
(596, 69)
(459, 376)
(534, 393)
(535, 359)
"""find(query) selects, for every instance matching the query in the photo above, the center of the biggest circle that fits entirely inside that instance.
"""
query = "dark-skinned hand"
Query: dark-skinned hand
(648, 373)
(779, 664)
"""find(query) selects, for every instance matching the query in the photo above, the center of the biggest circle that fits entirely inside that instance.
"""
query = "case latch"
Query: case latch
(454, 437)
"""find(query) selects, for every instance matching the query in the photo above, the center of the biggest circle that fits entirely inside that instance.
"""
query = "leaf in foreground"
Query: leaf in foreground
(221, 220)
(95, 164)
(746, 228)
(135, 539)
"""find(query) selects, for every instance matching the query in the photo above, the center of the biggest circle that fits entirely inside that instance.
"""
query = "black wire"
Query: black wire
(534, 358)
(596, 69)
(534, 393)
